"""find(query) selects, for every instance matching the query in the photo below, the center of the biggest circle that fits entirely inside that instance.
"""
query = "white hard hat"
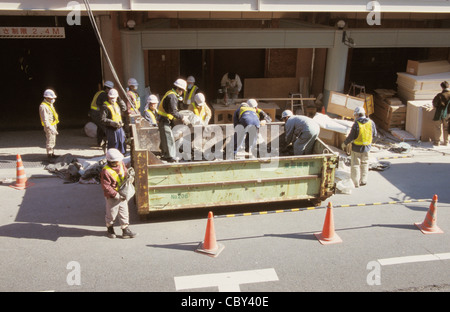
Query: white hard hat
(114, 155)
(113, 93)
(252, 103)
(132, 82)
(190, 79)
(49, 93)
(359, 110)
(286, 113)
(180, 83)
(152, 99)
(199, 98)
(109, 84)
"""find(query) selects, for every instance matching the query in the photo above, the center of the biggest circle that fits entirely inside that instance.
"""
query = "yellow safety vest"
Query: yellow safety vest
(94, 100)
(152, 116)
(365, 134)
(160, 109)
(136, 99)
(118, 177)
(200, 113)
(115, 111)
(246, 109)
(188, 96)
(55, 115)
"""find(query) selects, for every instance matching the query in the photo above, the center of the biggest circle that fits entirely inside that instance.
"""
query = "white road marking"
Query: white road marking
(411, 259)
(227, 282)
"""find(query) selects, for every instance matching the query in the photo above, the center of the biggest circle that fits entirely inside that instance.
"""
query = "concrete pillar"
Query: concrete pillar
(133, 61)
(336, 67)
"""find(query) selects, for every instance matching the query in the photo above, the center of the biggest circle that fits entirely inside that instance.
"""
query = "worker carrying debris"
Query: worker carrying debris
(201, 109)
(301, 131)
(150, 112)
(361, 136)
(49, 120)
(113, 176)
(111, 118)
(168, 111)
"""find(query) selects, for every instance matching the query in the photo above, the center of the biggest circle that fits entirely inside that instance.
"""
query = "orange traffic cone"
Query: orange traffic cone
(209, 246)
(323, 110)
(429, 226)
(328, 236)
(21, 177)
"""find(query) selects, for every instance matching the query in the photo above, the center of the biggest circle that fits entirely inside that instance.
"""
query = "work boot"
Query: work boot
(126, 233)
(111, 233)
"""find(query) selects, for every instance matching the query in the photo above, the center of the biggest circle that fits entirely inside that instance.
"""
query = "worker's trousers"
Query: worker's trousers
(114, 208)
(440, 127)
(167, 144)
(359, 169)
(50, 140)
(305, 142)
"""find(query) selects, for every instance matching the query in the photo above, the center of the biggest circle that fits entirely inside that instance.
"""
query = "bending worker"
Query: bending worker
(247, 116)
(300, 130)
(168, 111)
(361, 135)
(201, 109)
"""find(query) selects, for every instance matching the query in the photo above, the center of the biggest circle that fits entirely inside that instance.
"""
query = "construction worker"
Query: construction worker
(112, 176)
(49, 120)
(191, 91)
(231, 85)
(168, 112)
(246, 116)
(361, 135)
(301, 131)
(201, 109)
(441, 102)
(150, 112)
(94, 113)
(111, 118)
(134, 97)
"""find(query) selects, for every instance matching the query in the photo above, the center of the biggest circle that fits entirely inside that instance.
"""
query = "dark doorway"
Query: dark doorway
(70, 66)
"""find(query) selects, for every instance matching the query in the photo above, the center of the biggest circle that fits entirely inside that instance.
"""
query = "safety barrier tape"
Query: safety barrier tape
(396, 157)
(246, 214)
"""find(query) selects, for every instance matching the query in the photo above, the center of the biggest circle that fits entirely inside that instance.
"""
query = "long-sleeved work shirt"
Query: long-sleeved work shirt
(354, 133)
(297, 124)
(108, 183)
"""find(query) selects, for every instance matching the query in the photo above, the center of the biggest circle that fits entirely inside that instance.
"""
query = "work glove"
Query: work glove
(344, 147)
(185, 120)
(115, 124)
(262, 123)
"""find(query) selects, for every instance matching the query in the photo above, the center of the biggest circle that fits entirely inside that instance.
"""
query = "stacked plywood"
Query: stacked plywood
(412, 87)
(389, 111)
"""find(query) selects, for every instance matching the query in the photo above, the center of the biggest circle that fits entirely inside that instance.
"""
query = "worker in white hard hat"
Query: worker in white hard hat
(49, 120)
(135, 105)
(191, 91)
(111, 118)
(112, 176)
(361, 136)
(300, 131)
(231, 86)
(201, 109)
(99, 98)
(150, 113)
(168, 112)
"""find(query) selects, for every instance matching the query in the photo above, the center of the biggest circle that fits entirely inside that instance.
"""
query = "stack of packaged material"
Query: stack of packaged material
(412, 88)
(390, 112)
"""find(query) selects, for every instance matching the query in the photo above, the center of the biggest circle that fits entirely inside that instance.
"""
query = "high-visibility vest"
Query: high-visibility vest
(200, 111)
(188, 96)
(118, 177)
(365, 134)
(94, 100)
(136, 99)
(55, 115)
(246, 109)
(152, 116)
(160, 110)
(115, 111)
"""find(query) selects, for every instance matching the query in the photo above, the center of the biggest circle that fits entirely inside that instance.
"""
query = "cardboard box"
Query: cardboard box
(419, 120)
(343, 105)
(427, 67)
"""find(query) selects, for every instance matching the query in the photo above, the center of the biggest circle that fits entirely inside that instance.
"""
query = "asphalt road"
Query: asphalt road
(52, 237)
